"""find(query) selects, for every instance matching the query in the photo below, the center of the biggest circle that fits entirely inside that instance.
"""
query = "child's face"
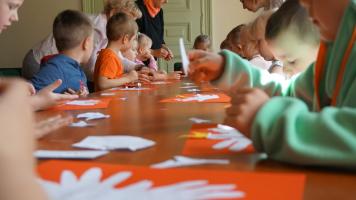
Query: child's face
(252, 5)
(295, 53)
(89, 47)
(128, 42)
(249, 47)
(144, 52)
(205, 46)
(130, 54)
(8, 12)
(327, 15)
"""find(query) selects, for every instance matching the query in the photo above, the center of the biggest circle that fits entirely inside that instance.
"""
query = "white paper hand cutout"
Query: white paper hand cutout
(90, 187)
(231, 138)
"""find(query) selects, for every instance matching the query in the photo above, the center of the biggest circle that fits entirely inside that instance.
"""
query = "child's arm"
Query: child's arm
(287, 130)
(230, 71)
(105, 83)
(18, 177)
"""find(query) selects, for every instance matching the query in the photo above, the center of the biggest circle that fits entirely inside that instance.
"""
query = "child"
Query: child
(73, 33)
(255, 5)
(313, 122)
(31, 62)
(144, 51)
(292, 37)
(233, 38)
(248, 48)
(202, 42)
(109, 71)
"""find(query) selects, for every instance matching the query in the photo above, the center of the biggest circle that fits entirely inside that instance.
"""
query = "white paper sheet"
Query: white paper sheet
(81, 124)
(189, 87)
(183, 53)
(114, 143)
(199, 121)
(182, 161)
(92, 115)
(132, 89)
(159, 83)
(69, 154)
(193, 90)
(198, 97)
(108, 94)
(88, 102)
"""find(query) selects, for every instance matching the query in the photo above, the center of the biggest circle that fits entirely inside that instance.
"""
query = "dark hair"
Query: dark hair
(291, 13)
(201, 39)
(120, 25)
(234, 35)
(70, 28)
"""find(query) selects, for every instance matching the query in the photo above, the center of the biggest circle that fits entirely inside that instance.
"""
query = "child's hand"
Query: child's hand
(17, 125)
(205, 66)
(83, 92)
(174, 76)
(51, 124)
(46, 98)
(170, 55)
(132, 76)
(144, 77)
(245, 105)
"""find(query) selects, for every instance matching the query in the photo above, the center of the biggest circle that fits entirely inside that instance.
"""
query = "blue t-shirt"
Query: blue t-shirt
(60, 67)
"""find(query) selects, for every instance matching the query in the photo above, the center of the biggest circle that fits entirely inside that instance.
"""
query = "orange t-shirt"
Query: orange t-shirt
(109, 65)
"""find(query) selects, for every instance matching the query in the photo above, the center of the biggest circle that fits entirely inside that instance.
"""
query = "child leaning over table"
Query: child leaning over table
(312, 122)
(73, 33)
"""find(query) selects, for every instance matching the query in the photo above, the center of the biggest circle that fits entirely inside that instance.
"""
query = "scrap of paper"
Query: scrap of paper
(182, 161)
(87, 180)
(200, 98)
(215, 139)
(107, 94)
(114, 143)
(199, 121)
(193, 90)
(160, 83)
(92, 116)
(88, 102)
(47, 154)
(81, 124)
(184, 56)
(82, 104)
(189, 87)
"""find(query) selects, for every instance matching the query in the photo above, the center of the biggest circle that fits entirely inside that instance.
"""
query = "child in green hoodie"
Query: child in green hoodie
(309, 120)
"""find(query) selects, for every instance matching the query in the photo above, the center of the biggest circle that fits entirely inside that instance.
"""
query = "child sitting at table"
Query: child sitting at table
(73, 33)
(202, 42)
(312, 123)
(293, 38)
(109, 71)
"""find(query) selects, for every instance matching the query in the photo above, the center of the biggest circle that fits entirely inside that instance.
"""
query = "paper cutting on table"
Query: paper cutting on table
(83, 104)
(215, 139)
(200, 98)
(66, 180)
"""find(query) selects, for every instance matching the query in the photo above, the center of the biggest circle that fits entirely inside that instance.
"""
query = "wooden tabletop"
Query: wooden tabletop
(143, 115)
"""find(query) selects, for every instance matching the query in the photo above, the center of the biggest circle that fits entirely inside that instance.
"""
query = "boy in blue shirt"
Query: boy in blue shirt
(73, 33)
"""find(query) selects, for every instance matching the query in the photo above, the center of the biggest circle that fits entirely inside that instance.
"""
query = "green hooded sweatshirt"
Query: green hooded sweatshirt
(289, 127)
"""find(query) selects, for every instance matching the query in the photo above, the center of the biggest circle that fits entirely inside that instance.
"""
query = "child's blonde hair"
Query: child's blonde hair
(127, 6)
(143, 40)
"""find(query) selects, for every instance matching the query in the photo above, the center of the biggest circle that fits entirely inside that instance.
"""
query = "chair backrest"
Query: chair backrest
(10, 72)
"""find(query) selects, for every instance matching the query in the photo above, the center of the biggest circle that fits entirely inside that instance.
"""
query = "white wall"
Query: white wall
(227, 14)
(36, 18)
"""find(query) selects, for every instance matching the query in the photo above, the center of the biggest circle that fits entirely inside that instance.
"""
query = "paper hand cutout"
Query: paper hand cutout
(89, 186)
(231, 138)
(182, 161)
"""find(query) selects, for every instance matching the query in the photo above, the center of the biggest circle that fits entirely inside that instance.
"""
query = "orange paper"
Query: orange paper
(223, 98)
(104, 103)
(203, 147)
(266, 186)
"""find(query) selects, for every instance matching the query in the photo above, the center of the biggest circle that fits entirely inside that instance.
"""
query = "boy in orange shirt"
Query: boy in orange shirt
(109, 70)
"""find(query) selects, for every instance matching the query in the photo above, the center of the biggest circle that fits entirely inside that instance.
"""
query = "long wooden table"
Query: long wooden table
(142, 115)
